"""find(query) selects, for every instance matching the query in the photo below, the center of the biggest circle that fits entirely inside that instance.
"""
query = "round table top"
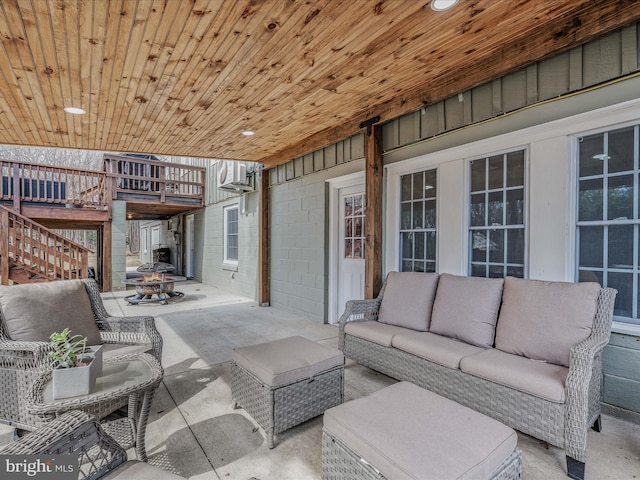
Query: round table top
(120, 377)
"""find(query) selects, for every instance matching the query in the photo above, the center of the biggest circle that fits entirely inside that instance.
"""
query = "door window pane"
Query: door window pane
(354, 212)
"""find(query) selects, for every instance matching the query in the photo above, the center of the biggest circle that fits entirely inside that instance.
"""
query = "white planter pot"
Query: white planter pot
(71, 382)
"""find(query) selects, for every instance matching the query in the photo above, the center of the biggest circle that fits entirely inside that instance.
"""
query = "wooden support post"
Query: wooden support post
(373, 215)
(4, 246)
(263, 241)
(106, 256)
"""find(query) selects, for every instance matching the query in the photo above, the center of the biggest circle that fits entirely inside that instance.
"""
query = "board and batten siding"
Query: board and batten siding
(518, 100)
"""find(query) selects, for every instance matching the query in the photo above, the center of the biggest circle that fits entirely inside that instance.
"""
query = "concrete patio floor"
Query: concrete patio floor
(194, 431)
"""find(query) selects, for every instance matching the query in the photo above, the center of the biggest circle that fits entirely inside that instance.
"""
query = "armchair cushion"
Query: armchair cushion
(466, 308)
(543, 320)
(408, 299)
(32, 312)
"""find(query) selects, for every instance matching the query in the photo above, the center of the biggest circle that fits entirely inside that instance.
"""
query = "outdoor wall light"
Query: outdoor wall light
(248, 133)
(441, 5)
(74, 110)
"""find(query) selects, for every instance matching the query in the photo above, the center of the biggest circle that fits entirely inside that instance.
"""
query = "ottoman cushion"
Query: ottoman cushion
(285, 361)
(405, 431)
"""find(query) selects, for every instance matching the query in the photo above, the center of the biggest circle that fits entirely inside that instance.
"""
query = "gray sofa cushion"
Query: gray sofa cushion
(33, 311)
(408, 300)
(466, 308)
(375, 332)
(288, 360)
(541, 379)
(444, 351)
(407, 432)
(543, 320)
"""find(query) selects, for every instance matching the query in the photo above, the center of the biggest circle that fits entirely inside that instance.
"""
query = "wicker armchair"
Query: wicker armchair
(22, 361)
(99, 456)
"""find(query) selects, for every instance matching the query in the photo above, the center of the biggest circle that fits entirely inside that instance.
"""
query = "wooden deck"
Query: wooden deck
(61, 197)
(35, 198)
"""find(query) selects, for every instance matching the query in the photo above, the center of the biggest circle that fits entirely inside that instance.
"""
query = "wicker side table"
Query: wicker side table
(286, 382)
(131, 379)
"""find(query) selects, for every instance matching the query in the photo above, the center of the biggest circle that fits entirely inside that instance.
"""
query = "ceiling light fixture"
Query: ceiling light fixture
(441, 5)
(248, 133)
(74, 110)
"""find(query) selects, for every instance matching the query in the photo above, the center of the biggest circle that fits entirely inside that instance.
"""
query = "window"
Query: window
(231, 235)
(497, 216)
(607, 233)
(354, 210)
(418, 222)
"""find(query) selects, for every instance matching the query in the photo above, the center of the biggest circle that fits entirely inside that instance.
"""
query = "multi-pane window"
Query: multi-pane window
(231, 234)
(497, 216)
(354, 226)
(607, 228)
(418, 222)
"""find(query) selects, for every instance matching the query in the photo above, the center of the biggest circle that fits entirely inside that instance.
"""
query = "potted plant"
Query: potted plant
(75, 365)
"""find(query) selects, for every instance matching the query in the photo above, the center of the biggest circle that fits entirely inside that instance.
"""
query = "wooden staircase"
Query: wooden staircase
(30, 252)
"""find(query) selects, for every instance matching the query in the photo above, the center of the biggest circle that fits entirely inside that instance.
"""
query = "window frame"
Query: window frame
(525, 213)
(426, 230)
(622, 324)
(231, 262)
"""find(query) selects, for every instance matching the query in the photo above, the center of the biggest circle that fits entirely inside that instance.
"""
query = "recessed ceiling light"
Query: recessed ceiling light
(248, 133)
(441, 5)
(74, 110)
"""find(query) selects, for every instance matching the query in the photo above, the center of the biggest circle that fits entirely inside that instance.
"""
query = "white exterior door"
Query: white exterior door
(347, 245)
(189, 246)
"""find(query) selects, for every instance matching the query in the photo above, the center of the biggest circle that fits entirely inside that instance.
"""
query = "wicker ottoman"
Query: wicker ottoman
(404, 431)
(286, 382)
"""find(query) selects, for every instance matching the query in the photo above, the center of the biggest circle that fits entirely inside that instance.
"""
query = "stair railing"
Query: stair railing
(40, 251)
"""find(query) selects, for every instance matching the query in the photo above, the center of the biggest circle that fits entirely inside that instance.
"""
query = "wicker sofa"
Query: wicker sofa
(527, 353)
(29, 313)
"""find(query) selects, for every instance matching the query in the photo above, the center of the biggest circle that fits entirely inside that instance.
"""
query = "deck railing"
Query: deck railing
(53, 185)
(40, 251)
(145, 177)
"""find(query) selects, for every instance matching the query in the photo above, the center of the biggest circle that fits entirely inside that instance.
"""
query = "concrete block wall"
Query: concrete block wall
(298, 242)
(209, 246)
(118, 245)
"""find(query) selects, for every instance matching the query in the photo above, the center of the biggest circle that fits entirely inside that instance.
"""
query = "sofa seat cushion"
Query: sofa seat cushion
(408, 299)
(407, 432)
(286, 361)
(444, 351)
(33, 311)
(543, 380)
(466, 308)
(375, 332)
(543, 320)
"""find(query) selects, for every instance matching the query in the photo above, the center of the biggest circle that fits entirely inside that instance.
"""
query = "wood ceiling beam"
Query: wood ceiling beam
(581, 25)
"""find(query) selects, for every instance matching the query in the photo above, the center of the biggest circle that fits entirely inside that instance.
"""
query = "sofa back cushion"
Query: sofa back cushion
(466, 308)
(33, 311)
(408, 299)
(543, 320)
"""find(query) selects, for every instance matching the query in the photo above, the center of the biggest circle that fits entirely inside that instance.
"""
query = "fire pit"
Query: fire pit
(159, 284)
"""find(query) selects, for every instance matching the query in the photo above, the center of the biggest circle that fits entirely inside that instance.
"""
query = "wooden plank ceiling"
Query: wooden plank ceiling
(174, 77)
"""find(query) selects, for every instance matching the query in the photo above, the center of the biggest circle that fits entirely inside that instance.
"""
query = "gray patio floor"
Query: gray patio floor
(193, 430)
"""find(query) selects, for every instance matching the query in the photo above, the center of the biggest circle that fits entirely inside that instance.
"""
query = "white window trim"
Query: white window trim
(595, 120)
(618, 326)
(467, 202)
(228, 264)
